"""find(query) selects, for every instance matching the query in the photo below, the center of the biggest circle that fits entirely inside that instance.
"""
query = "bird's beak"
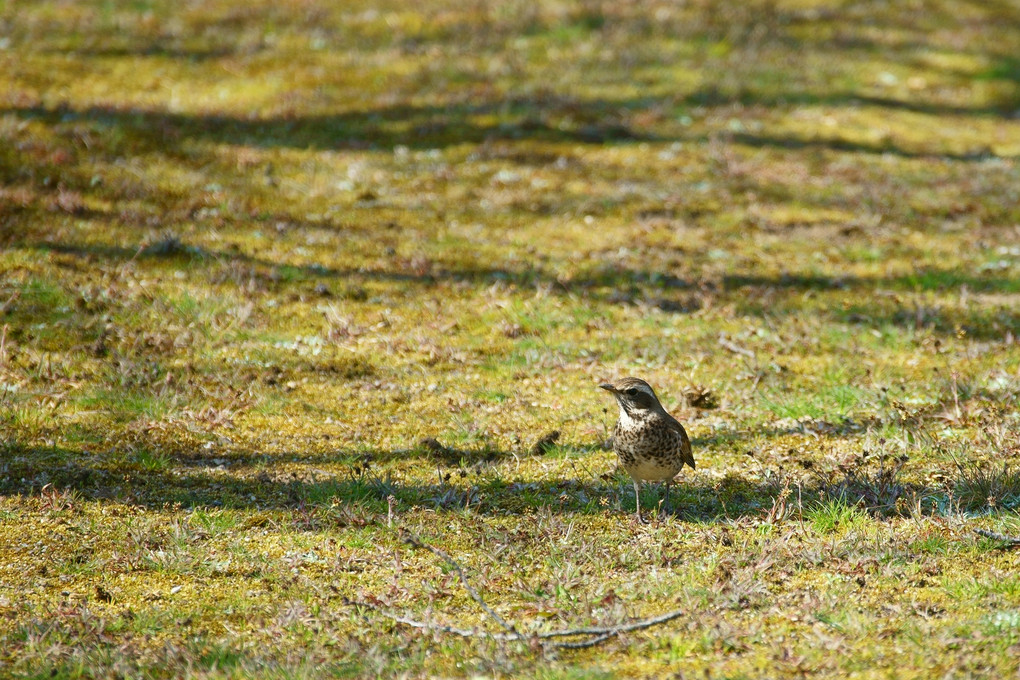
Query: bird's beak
(608, 387)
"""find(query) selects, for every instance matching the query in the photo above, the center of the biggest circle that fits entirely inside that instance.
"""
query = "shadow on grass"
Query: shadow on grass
(774, 296)
(926, 279)
(416, 127)
(547, 117)
(263, 481)
(163, 49)
(837, 144)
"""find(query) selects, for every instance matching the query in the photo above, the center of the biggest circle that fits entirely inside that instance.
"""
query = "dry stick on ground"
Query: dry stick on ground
(725, 343)
(1012, 540)
(414, 540)
(601, 634)
(10, 301)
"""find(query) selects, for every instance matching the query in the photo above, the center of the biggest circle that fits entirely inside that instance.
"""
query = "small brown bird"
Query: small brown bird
(651, 444)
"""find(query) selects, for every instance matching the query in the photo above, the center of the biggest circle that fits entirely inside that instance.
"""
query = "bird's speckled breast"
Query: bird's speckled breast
(648, 448)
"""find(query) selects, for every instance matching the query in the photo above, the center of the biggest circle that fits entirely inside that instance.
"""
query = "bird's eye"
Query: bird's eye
(632, 392)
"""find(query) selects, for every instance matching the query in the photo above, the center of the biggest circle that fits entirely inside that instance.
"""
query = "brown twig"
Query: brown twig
(1011, 540)
(435, 627)
(615, 630)
(414, 540)
(596, 635)
(601, 634)
(10, 301)
(725, 343)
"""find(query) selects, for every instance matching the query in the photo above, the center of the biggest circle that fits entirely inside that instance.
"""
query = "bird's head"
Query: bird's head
(634, 396)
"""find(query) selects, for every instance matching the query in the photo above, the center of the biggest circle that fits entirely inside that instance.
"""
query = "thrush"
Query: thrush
(651, 444)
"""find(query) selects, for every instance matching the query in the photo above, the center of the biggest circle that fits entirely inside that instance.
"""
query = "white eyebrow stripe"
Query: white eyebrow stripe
(646, 389)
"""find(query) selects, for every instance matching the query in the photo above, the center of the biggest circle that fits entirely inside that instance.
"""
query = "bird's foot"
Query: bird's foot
(665, 510)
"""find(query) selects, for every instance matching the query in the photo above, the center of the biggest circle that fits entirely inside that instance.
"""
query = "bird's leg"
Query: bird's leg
(637, 501)
(665, 506)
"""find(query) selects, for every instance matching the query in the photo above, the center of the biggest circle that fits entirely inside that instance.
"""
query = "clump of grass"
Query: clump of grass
(934, 544)
(214, 521)
(835, 514)
(877, 490)
(168, 245)
(152, 461)
(126, 404)
(980, 486)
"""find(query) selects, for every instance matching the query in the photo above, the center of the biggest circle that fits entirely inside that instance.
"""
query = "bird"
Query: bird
(651, 444)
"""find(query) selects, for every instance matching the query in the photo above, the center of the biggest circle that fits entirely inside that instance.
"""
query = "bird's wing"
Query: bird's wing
(685, 442)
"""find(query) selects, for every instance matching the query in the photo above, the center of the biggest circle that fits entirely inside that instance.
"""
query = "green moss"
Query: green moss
(281, 279)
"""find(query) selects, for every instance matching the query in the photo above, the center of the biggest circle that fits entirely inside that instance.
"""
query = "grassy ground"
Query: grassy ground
(253, 254)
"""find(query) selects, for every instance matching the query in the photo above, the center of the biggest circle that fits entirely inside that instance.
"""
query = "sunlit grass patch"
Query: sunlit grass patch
(935, 544)
(270, 404)
(126, 404)
(44, 297)
(975, 588)
(829, 403)
(214, 521)
(494, 396)
(152, 461)
(836, 514)
(285, 281)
